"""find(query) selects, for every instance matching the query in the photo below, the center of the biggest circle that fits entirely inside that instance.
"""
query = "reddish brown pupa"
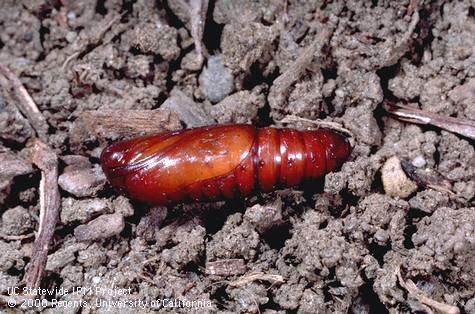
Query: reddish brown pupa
(220, 162)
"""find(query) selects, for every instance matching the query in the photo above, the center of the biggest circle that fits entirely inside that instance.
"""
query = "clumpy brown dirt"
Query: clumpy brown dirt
(345, 245)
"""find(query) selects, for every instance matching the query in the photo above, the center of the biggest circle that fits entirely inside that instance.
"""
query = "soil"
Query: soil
(336, 247)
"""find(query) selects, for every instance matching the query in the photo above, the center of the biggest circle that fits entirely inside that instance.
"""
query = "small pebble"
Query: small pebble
(71, 15)
(381, 236)
(71, 36)
(240, 107)
(10, 256)
(83, 182)
(419, 161)
(102, 227)
(395, 181)
(340, 93)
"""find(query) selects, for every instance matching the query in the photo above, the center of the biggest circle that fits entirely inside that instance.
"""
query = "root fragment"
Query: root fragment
(50, 201)
(415, 292)
(26, 104)
(464, 127)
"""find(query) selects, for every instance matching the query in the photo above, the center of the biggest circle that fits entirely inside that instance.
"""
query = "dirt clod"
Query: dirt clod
(12, 165)
(83, 182)
(188, 111)
(102, 227)
(156, 38)
(397, 76)
(265, 217)
(445, 243)
(429, 200)
(16, 221)
(237, 239)
(12, 257)
(189, 248)
(240, 107)
(245, 44)
(82, 210)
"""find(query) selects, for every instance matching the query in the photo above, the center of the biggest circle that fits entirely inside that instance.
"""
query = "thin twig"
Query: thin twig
(441, 189)
(281, 84)
(147, 279)
(273, 279)
(193, 14)
(244, 280)
(198, 11)
(129, 122)
(69, 59)
(412, 7)
(47, 160)
(464, 127)
(400, 48)
(317, 123)
(152, 259)
(95, 41)
(426, 180)
(26, 104)
(414, 291)
(226, 267)
(17, 237)
(285, 14)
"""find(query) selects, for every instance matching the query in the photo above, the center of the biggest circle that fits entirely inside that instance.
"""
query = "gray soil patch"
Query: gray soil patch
(348, 244)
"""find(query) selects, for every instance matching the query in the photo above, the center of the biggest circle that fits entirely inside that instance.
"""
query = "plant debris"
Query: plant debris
(226, 267)
(25, 103)
(415, 292)
(129, 123)
(50, 201)
(464, 127)
(78, 75)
